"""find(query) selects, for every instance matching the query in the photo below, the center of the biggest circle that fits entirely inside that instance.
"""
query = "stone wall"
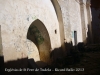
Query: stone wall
(15, 18)
(75, 20)
(61, 19)
(64, 4)
(76, 17)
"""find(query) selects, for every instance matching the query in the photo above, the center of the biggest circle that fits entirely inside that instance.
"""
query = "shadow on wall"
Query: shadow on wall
(56, 56)
(23, 66)
(15, 67)
(30, 67)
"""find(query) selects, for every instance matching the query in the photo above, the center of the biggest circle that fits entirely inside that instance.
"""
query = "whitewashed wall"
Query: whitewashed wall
(15, 19)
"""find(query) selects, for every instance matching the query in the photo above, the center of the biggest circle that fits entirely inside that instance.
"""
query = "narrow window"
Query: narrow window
(55, 31)
(75, 37)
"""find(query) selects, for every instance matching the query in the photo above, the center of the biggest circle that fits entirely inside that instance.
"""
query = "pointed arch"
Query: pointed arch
(38, 34)
(60, 20)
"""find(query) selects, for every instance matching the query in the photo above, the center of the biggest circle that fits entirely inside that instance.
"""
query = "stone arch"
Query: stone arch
(60, 20)
(38, 34)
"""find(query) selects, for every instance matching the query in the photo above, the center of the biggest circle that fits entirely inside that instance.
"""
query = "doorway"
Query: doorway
(75, 38)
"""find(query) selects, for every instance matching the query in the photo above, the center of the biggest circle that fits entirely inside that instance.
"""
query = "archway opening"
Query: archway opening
(60, 20)
(38, 34)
